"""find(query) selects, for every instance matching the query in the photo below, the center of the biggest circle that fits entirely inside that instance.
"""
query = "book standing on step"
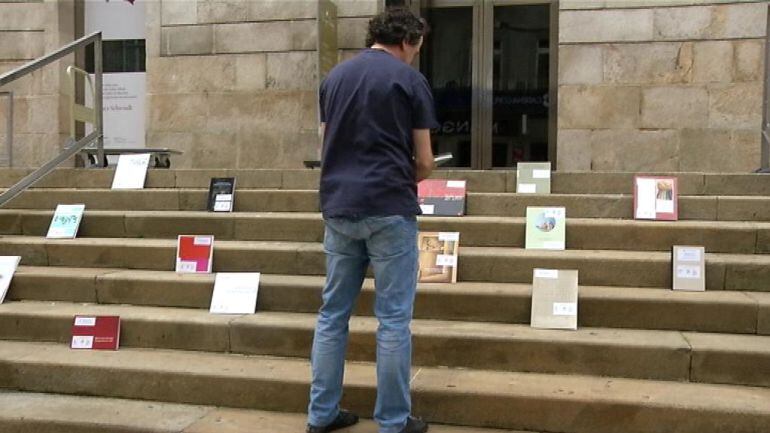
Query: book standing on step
(8, 265)
(235, 293)
(554, 299)
(96, 332)
(688, 268)
(656, 198)
(131, 171)
(194, 254)
(438, 257)
(546, 228)
(442, 197)
(533, 178)
(66, 221)
(221, 194)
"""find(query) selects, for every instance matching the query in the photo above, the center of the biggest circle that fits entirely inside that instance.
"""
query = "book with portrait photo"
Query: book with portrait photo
(656, 198)
(546, 228)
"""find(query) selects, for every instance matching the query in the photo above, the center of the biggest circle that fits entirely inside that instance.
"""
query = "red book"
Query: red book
(656, 198)
(441, 197)
(194, 254)
(96, 332)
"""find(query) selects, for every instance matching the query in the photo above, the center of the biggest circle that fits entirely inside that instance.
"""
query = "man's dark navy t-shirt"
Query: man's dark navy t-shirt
(370, 104)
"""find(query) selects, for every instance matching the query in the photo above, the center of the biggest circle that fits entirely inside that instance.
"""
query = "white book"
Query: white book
(8, 265)
(131, 171)
(66, 221)
(235, 293)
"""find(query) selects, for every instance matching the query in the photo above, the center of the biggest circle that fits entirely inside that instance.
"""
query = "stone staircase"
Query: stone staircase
(644, 360)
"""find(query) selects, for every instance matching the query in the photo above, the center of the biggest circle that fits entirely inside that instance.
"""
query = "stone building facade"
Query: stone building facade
(643, 85)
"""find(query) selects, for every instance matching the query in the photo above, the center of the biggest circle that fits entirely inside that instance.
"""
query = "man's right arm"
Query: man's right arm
(423, 154)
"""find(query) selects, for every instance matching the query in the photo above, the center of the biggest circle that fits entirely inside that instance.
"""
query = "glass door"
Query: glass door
(491, 66)
(447, 60)
(519, 58)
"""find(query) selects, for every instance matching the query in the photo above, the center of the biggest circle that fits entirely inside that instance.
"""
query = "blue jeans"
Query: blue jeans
(390, 245)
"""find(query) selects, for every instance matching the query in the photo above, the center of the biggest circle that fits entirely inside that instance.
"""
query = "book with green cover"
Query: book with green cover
(533, 178)
(546, 228)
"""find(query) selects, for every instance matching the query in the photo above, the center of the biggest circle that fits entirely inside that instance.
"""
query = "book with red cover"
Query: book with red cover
(442, 197)
(96, 332)
(656, 198)
(194, 254)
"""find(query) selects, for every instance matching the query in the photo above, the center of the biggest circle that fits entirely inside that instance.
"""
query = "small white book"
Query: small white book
(689, 268)
(131, 171)
(66, 221)
(8, 265)
(235, 293)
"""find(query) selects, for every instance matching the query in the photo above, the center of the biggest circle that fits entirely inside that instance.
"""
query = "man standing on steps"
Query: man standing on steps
(376, 114)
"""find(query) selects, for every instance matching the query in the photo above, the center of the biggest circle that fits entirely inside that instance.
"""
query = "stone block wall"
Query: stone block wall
(30, 29)
(667, 85)
(232, 83)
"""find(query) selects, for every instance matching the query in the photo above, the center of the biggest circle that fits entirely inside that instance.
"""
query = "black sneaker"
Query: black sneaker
(344, 419)
(415, 425)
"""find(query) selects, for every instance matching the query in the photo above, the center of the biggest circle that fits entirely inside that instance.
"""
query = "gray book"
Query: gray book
(688, 268)
(554, 299)
(533, 178)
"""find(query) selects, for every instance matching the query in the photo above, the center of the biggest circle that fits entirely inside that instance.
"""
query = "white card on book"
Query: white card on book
(131, 171)
(8, 265)
(235, 293)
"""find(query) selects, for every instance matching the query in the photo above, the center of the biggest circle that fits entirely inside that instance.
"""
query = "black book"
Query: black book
(221, 194)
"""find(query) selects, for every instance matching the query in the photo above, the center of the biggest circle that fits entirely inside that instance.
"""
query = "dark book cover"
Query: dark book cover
(221, 194)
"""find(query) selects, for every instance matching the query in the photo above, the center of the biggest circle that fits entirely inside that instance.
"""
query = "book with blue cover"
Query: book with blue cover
(66, 221)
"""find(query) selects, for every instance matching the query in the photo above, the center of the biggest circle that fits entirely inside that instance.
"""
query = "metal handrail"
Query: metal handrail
(9, 127)
(72, 146)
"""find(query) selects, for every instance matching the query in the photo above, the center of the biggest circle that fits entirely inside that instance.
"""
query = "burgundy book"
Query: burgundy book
(96, 332)
(442, 197)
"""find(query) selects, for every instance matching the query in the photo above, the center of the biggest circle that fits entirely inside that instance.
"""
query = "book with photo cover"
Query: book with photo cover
(8, 265)
(533, 178)
(656, 198)
(96, 332)
(688, 268)
(546, 228)
(235, 293)
(131, 171)
(221, 194)
(554, 299)
(441, 197)
(438, 257)
(66, 221)
(194, 254)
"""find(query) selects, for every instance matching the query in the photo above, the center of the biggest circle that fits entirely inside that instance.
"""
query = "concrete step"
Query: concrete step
(23, 412)
(582, 233)
(529, 401)
(606, 307)
(478, 181)
(659, 355)
(708, 208)
(485, 264)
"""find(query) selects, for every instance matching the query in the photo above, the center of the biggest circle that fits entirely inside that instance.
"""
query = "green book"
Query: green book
(533, 178)
(546, 228)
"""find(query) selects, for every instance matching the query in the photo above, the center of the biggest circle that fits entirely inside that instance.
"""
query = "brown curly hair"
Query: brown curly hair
(396, 25)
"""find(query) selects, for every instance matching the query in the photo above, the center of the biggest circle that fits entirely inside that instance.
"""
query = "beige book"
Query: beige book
(688, 268)
(438, 257)
(554, 299)
(533, 178)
